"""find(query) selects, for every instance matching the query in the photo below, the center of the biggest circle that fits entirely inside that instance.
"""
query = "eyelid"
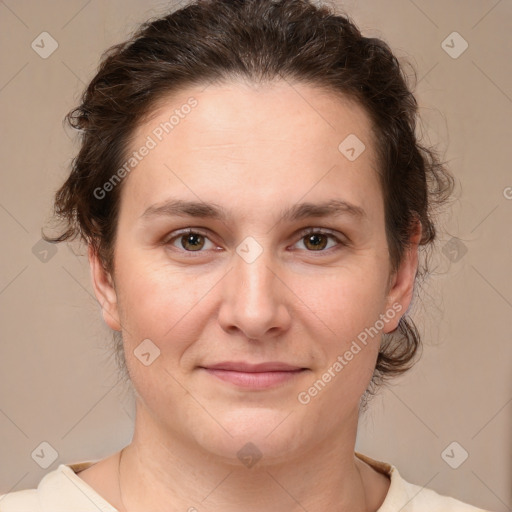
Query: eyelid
(321, 231)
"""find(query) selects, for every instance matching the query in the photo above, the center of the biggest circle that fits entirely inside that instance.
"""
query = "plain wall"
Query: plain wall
(58, 382)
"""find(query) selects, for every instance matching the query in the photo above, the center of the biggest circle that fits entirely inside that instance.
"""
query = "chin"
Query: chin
(252, 434)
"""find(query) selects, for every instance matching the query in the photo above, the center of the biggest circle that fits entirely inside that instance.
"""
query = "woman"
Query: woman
(253, 198)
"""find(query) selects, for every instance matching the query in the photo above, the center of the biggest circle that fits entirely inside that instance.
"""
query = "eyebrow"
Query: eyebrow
(199, 209)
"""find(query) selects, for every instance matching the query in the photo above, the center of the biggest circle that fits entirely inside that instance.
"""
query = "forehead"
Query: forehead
(276, 112)
(275, 142)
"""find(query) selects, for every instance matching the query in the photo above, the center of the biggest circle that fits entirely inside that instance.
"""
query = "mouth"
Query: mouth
(254, 376)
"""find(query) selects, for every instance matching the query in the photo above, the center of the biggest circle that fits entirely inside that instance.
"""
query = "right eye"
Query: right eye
(189, 240)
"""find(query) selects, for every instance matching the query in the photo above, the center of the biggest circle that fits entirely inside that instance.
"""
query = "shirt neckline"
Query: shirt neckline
(71, 470)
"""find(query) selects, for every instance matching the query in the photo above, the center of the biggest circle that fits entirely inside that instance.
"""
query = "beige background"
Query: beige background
(57, 380)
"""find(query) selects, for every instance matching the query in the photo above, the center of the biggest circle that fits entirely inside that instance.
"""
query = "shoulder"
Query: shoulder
(20, 501)
(408, 497)
(422, 499)
(60, 490)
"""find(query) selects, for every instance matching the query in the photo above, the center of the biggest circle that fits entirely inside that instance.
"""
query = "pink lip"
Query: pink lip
(240, 366)
(255, 376)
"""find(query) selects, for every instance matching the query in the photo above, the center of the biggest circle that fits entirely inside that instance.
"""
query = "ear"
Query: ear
(104, 290)
(401, 284)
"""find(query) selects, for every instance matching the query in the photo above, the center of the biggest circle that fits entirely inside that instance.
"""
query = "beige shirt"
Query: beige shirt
(62, 490)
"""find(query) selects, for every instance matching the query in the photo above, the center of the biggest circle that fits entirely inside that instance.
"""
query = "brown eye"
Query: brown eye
(315, 241)
(190, 241)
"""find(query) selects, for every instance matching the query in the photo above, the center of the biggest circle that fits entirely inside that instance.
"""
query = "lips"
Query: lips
(253, 376)
(253, 368)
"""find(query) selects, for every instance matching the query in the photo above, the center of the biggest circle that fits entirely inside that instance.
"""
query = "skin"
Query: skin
(253, 150)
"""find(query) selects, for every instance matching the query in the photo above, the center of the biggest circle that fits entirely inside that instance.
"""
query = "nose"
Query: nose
(255, 300)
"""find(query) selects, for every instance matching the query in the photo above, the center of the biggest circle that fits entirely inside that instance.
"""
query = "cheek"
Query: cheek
(167, 308)
(163, 304)
(347, 310)
(347, 301)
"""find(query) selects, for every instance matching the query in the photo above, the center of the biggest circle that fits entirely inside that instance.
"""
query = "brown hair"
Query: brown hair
(211, 41)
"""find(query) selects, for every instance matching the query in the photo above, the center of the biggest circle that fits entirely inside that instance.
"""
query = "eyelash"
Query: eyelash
(302, 234)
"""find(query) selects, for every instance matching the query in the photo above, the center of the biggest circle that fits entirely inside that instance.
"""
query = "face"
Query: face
(248, 276)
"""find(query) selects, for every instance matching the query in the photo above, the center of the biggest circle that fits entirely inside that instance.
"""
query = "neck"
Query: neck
(182, 475)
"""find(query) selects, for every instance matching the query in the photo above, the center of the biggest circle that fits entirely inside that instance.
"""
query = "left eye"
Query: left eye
(317, 239)
(195, 241)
